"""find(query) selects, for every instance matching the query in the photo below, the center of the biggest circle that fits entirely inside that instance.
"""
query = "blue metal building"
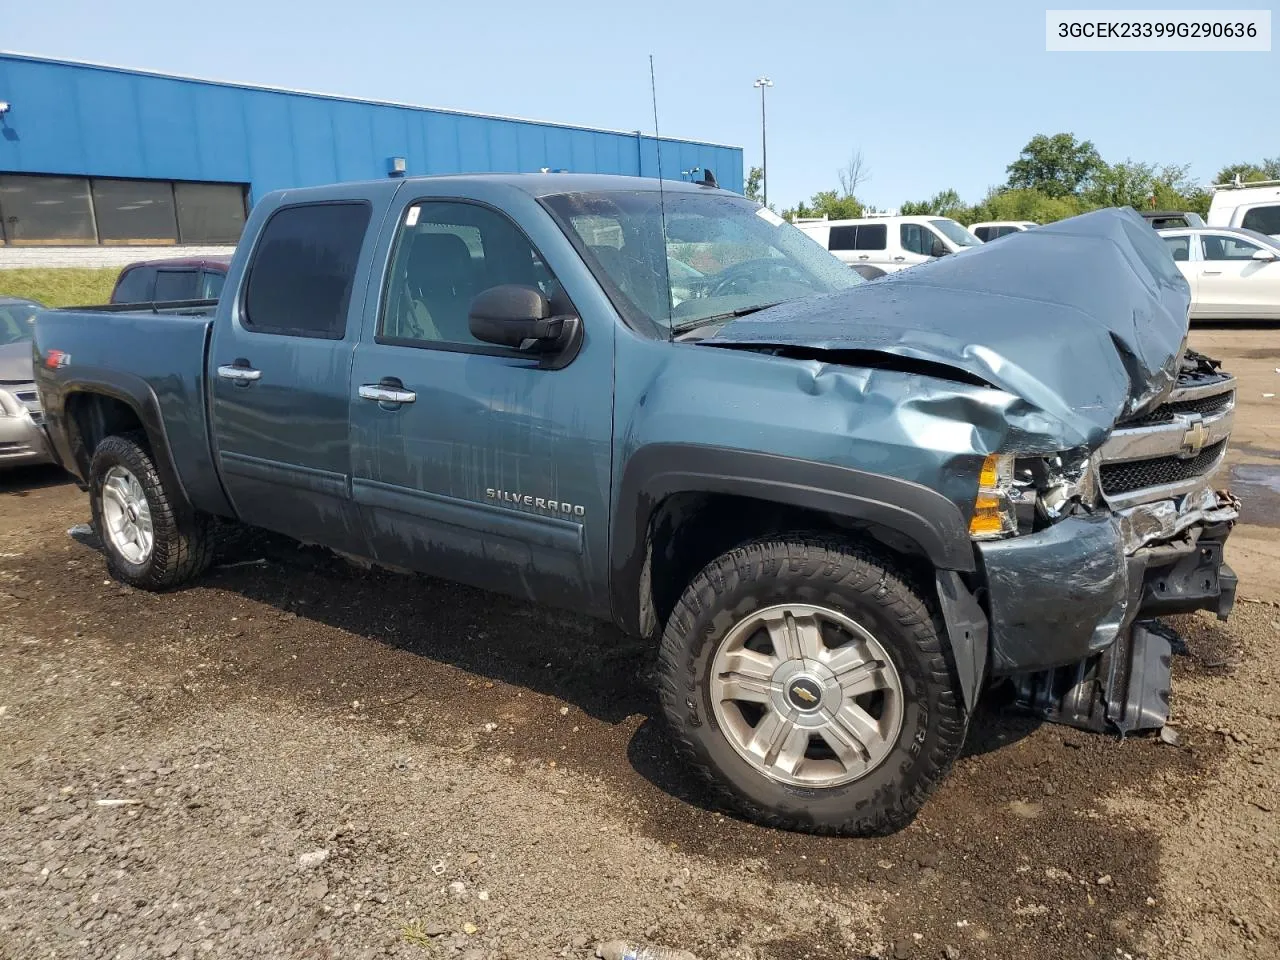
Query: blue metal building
(97, 154)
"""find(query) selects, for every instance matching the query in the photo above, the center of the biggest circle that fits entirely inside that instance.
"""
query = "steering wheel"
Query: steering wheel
(743, 277)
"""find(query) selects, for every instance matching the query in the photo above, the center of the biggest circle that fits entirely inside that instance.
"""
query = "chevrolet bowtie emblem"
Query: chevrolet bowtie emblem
(1193, 439)
(803, 694)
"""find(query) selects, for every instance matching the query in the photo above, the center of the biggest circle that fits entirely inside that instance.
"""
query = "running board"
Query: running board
(1124, 689)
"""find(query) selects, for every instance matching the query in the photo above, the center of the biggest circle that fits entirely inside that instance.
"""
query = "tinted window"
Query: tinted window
(1179, 247)
(1219, 247)
(983, 233)
(871, 236)
(303, 270)
(211, 287)
(446, 254)
(177, 285)
(1263, 219)
(209, 212)
(43, 209)
(917, 238)
(134, 211)
(842, 238)
(136, 285)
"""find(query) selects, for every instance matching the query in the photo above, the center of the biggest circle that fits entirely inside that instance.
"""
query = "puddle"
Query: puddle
(1258, 487)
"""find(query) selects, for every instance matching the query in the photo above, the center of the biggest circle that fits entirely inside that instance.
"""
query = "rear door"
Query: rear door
(281, 359)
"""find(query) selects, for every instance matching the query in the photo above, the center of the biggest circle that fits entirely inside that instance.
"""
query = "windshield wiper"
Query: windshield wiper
(728, 315)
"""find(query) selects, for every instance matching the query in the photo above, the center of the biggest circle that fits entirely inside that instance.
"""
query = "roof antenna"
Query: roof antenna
(662, 201)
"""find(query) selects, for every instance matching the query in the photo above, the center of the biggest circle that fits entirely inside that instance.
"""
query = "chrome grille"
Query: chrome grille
(1205, 406)
(1118, 478)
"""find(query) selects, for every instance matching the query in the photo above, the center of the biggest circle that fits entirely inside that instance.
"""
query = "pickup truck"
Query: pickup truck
(840, 510)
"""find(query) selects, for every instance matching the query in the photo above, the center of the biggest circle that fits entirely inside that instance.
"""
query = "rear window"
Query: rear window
(985, 233)
(177, 285)
(135, 285)
(1263, 219)
(842, 238)
(303, 270)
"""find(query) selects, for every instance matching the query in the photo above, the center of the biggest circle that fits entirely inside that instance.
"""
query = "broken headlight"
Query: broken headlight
(1024, 494)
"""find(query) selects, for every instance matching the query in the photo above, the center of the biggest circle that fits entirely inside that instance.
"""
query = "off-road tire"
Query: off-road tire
(871, 590)
(184, 539)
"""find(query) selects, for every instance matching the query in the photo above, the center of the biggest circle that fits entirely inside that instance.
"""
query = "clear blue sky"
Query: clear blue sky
(934, 94)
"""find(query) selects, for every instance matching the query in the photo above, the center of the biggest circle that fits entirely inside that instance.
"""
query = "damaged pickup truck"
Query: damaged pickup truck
(840, 510)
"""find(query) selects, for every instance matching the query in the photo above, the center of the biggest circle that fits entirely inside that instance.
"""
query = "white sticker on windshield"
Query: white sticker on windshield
(764, 213)
(411, 218)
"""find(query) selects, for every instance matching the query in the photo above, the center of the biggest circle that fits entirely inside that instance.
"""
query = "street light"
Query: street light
(763, 82)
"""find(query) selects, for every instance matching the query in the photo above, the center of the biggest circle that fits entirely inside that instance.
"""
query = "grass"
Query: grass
(60, 286)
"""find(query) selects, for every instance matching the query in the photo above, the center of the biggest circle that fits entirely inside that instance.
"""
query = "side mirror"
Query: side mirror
(520, 317)
(939, 249)
(1265, 255)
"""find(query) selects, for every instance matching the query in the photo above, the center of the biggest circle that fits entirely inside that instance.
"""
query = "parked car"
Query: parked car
(21, 439)
(1234, 274)
(1162, 219)
(874, 246)
(1252, 206)
(172, 280)
(990, 230)
(835, 508)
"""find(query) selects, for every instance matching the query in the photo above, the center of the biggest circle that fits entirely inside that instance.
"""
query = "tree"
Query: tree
(755, 179)
(1056, 166)
(945, 203)
(1268, 169)
(853, 175)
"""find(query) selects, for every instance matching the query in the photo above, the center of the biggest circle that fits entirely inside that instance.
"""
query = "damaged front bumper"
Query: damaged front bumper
(1070, 606)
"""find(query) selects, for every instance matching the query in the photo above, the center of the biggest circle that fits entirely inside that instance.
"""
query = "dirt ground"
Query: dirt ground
(298, 758)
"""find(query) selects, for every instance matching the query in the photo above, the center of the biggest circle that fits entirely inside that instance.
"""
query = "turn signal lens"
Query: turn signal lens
(993, 510)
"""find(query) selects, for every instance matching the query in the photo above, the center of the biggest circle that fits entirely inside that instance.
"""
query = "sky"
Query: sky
(933, 94)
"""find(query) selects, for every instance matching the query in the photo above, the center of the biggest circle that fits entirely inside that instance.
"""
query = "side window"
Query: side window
(1263, 219)
(302, 272)
(136, 285)
(1179, 247)
(446, 254)
(871, 236)
(1222, 247)
(983, 233)
(842, 238)
(211, 285)
(176, 285)
(917, 238)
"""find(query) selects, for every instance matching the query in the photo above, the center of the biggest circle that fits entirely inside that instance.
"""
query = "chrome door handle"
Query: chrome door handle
(899, 259)
(376, 391)
(243, 374)
(863, 256)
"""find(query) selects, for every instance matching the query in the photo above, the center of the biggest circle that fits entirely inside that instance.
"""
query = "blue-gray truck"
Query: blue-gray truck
(841, 510)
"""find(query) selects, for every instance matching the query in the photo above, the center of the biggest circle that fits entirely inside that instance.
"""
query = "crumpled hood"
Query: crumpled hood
(15, 361)
(1084, 319)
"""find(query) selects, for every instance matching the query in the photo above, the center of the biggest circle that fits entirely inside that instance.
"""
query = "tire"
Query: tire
(181, 541)
(824, 780)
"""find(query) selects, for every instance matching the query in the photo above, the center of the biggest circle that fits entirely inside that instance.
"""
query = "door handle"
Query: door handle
(863, 256)
(1211, 273)
(239, 371)
(387, 390)
(899, 259)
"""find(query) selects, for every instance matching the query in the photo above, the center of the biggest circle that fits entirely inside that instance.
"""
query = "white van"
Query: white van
(875, 246)
(990, 230)
(1252, 206)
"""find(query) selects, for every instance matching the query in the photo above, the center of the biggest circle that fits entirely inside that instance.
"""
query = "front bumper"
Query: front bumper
(22, 441)
(1070, 608)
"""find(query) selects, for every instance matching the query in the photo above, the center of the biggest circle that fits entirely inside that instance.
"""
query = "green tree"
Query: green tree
(755, 179)
(1056, 166)
(1268, 169)
(945, 203)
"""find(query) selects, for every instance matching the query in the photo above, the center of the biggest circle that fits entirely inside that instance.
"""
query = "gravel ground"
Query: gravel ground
(298, 758)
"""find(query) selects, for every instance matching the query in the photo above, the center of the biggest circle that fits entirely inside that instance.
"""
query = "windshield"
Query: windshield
(955, 233)
(724, 255)
(17, 322)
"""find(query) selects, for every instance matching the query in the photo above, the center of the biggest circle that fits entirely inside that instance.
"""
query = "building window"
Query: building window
(57, 211)
(135, 212)
(46, 210)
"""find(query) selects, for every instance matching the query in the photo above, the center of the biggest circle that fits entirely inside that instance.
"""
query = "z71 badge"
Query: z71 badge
(560, 508)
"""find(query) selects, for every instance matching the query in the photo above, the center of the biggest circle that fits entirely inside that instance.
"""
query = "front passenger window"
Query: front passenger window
(448, 253)
(917, 238)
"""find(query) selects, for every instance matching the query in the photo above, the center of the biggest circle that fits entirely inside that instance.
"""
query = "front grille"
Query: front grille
(1205, 406)
(1119, 478)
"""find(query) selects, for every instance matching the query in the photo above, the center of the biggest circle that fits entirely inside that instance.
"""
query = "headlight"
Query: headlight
(9, 405)
(994, 512)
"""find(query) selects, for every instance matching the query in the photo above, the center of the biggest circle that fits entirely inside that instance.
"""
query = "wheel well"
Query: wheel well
(93, 417)
(689, 530)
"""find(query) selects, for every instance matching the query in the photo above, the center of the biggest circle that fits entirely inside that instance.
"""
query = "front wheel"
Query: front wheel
(150, 540)
(807, 681)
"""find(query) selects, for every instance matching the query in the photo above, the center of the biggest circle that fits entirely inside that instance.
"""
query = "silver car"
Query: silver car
(22, 440)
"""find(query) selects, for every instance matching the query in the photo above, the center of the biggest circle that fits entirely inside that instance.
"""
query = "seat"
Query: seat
(441, 277)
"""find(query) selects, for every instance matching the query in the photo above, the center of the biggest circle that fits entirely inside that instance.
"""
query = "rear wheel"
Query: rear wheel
(150, 541)
(807, 681)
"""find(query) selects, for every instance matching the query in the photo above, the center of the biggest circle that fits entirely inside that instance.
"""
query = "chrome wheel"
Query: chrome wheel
(806, 696)
(126, 516)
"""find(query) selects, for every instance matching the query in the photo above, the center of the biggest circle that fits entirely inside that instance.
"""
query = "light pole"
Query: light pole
(763, 82)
